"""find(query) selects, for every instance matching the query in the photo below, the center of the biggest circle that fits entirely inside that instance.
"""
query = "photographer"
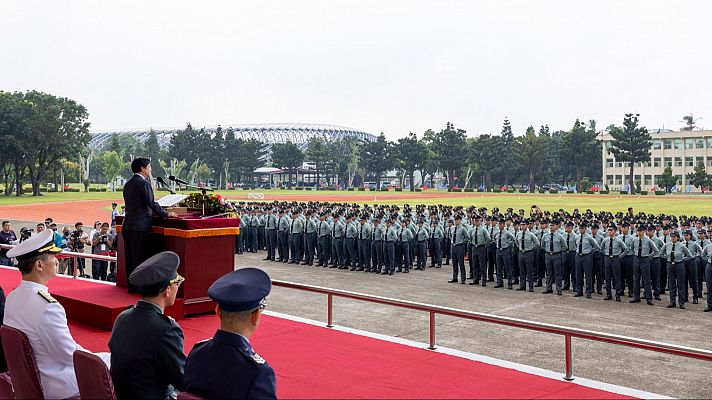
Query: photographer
(102, 242)
(7, 236)
(25, 233)
(77, 240)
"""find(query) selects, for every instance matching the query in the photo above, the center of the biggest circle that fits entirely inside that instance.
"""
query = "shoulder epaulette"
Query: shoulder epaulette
(47, 296)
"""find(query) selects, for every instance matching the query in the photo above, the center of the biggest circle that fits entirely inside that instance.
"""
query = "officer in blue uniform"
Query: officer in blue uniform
(226, 366)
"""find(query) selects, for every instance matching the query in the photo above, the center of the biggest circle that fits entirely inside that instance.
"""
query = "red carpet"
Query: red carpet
(317, 362)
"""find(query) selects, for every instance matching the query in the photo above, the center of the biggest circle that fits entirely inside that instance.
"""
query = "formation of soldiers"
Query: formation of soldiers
(583, 252)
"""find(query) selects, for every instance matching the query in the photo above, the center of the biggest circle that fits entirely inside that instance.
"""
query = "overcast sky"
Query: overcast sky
(376, 65)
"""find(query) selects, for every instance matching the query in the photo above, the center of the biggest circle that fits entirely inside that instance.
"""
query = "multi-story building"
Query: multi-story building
(680, 150)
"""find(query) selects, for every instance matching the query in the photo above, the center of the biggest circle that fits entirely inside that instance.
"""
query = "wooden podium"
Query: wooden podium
(206, 248)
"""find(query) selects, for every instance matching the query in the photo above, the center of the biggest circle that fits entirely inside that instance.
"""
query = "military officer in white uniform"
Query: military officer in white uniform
(31, 309)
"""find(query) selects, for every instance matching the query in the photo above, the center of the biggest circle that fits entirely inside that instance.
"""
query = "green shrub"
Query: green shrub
(660, 193)
(542, 191)
(361, 189)
(466, 190)
(510, 190)
(459, 190)
(418, 189)
(496, 190)
(590, 192)
(523, 191)
(480, 190)
(299, 188)
(399, 189)
(553, 191)
(623, 192)
(643, 192)
(604, 192)
(350, 189)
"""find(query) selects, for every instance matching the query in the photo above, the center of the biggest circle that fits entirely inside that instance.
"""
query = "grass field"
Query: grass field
(673, 204)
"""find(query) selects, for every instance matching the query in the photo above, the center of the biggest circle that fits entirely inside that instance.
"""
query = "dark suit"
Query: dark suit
(3, 363)
(147, 358)
(135, 229)
(226, 367)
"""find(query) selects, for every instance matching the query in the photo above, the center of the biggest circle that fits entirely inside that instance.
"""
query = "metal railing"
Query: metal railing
(565, 331)
(74, 256)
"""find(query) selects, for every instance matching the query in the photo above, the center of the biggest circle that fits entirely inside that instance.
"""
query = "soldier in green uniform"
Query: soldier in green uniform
(377, 246)
(420, 239)
(612, 247)
(644, 250)
(460, 237)
(390, 237)
(691, 267)
(553, 245)
(323, 233)
(364, 245)
(435, 244)
(526, 243)
(405, 236)
(309, 239)
(503, 240)
(676, 254)
(337, 243)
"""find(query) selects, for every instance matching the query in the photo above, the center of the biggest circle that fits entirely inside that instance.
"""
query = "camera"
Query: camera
(25, 233)
(75, 240)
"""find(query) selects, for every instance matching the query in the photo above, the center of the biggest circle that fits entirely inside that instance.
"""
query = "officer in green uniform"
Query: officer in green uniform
(364, 244)
(309, 239)
(377, 246)
(644, 250)
(655, 262)
(586, 245)
(350, 243)
(390, 237)
(526, 243)
(420, 239)
(691, 267)
(553, 245)
(296, 227)
(435, 244)
(612, 248)
(271, 234)
(479, 238)
(323, 230)
(503, 240)
(676, 254)
(405, 236)
(460, 237)
(337, 243)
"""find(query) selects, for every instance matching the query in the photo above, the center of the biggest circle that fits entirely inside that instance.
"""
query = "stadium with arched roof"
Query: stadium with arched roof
(267, 133)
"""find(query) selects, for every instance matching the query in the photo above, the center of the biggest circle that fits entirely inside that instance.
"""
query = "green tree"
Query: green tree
(344, 159)
(377, 157)
(631, 144)
(57, 129)
(578, 147)
(690, 122)
(507, 151)
(409, 153)
(112, 165)
(531, 150)
(667, 180)
(152, 149)
(287, 156)
(203, 173)
(15, 114)
(318, 153)
(449, 146)
(699, 178)
(484, 152)
(113, 144)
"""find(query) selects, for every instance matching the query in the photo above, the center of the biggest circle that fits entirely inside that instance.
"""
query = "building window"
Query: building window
(656, 162)
(619, 164)
(619, 180)
(677, 144)
(668, 161)
(679, 179)
(678, 161)
(689, 143)
(636, 178)
(609, 162)
(648, 163)
(689, 162)
(655, 179)
(699, 160)
(709, 142)
(667, 144)
(648, 180)
(609, 179)
(709, 162)
(699, 143)
(657, 144)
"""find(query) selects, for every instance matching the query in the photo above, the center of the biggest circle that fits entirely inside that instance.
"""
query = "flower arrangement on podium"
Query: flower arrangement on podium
(214, 203)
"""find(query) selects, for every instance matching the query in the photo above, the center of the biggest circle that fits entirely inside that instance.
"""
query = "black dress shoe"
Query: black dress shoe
(462, 283)
(386, 273)
(578, 294)
(671, 305)
(657, 298)
(537, 284)
(472, 283)
(499, 285)
(682, 306)
(599, 291)
(509, 287)
(559, 293)
(452, 281)
(707, 309)
(608, 298)
(588, 295)
(390, 273)
(484, 283)
(265, 259)
(547, 292)
(694, 301)
(634, 301)
(531, 289)
(650, 302)
(618, 299)
(521, 288)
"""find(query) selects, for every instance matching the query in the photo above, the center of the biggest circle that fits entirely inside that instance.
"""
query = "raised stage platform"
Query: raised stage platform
(312, 361)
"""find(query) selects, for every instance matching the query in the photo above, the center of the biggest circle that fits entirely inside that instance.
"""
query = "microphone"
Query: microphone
(177, 180)
(163, 183)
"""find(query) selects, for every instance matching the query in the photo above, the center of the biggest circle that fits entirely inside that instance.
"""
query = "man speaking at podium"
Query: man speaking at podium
(140, 207)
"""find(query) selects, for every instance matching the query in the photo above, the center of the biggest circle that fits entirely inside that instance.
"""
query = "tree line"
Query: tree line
(45, 139)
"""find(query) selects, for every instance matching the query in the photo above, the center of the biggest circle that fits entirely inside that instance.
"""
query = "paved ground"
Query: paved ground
(640, 369)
